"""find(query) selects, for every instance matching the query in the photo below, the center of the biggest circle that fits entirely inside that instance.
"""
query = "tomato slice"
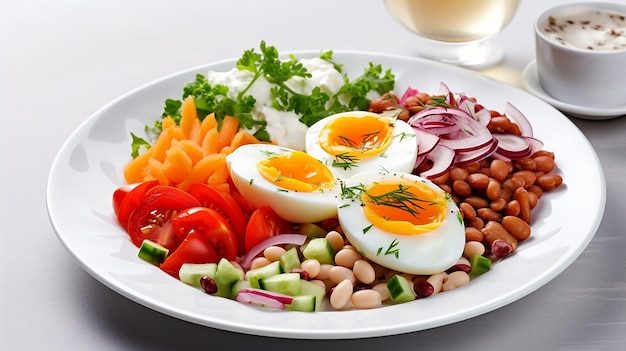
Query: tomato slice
(194, 249)
(152, 217)
(225, 205)
(207, 238)
(127, 197)
(264, 223)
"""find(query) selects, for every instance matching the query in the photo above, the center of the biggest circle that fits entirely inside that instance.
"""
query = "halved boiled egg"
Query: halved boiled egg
(358, 141)
(401, 221)
(296, 186)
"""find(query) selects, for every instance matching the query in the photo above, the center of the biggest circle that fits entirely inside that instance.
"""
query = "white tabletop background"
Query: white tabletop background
(62, 60)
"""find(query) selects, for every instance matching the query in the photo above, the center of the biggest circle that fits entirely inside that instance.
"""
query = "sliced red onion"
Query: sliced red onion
(426, 142)
(445, 91)
(442, 158)
(535, 144)
(281, 239)
(263, 297)
(513, 146)
(466, 157)
(518, 118)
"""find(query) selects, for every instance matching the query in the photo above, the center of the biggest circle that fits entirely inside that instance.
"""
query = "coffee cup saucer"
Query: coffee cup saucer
(531, 83)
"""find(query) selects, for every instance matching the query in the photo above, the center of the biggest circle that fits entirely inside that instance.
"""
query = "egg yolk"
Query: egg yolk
(297, 171)
(402, 206)
(356, 136)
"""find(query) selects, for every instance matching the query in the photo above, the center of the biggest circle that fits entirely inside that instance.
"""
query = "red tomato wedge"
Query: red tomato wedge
(225, 205)
(263, 224)
(127, 197)
(206, 237)
(194, 249)
(152, 217)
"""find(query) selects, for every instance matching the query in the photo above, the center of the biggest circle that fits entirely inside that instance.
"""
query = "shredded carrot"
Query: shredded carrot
(192, 152)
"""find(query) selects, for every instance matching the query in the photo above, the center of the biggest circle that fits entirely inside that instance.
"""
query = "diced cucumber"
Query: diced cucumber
(152, 252)
(480, 264)
(226, 275)
(290, 260)
(308, 288)
(285, 283)
(303, 303)
(400, 289)
(191, 273)
(240, 284)
(254, 275)
(319, 249)
(312, 230)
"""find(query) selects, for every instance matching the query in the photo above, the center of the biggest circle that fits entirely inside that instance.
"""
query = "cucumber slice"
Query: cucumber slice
(290, 260)
(400, 289)
(191, 273)
(312, 230)
(308, 288)
(226, 275)
(254, 275)
(480, 264)
(319, 249)
(285, 283)
(303, 303)
(240, 284)
(152, 252)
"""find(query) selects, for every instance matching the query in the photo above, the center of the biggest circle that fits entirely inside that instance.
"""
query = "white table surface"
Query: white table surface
(62, 60)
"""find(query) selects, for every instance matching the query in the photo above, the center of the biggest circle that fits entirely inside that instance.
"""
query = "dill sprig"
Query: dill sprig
(345, 160)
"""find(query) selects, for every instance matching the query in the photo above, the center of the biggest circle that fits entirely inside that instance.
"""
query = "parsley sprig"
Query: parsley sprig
(267, 64)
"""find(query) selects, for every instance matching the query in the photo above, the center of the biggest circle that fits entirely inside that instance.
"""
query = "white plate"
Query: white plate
(532, 85)
(89, 167)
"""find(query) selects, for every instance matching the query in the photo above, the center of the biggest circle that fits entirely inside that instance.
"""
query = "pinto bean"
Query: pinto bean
(493, 189)
(467, 210)
(478, 180)
(461, 188)
(488, 214)
(499, 170)
(517, 227)
(502, 243)
(521, 195)
(477, 201)
(549, 181)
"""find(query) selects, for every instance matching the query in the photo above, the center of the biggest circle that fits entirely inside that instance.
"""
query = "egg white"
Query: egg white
(293, 206)
(422, 254)
(399, 156)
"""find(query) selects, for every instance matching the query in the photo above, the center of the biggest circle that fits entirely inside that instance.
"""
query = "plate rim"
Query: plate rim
(326, 334)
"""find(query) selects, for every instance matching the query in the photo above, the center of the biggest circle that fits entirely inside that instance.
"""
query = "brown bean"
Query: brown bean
(528, 177)
(513, 183)
(446, 188)
(512, 208)
(472, 167)
(493, 189)
(549, 181)
(517, 227)
(535, 189)
(499, 124)
(458, 173)
(501, 241)
(533, 200)
(473, 234)
(442, 179)
(543, 153)
(499, 170)
(477, 201)
(498, 204)
(467, 210)
(477, 223)
(526, 163)
(488, 214)
(461, 188)
(478, 180)
(544, 163)
(521, 195)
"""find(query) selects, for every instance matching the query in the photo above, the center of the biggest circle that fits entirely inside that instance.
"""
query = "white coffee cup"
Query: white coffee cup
(571, 66)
